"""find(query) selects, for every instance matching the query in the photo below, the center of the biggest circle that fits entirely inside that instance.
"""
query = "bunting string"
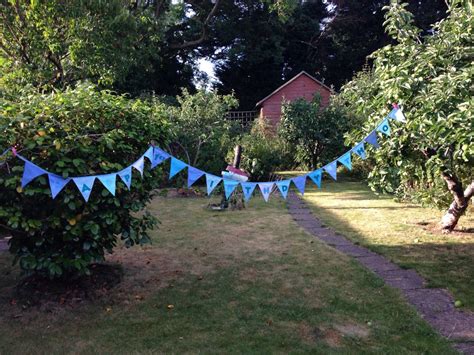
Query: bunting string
(156, 156)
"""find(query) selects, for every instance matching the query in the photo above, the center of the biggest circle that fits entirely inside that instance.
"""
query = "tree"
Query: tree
(75, 132)
(316, 135)
(255, 51)
(432, 156)
(201, 131)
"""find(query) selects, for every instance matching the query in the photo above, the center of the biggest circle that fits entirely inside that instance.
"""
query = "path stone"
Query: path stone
(436, 306)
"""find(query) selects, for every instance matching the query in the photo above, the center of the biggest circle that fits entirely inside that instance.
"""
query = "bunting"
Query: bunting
(157, 156)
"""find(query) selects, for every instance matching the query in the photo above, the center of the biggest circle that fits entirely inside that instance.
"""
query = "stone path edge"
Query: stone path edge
(435, 305)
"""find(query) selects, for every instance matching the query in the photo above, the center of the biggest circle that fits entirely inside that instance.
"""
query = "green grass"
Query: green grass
(406, 233)
(247, 281)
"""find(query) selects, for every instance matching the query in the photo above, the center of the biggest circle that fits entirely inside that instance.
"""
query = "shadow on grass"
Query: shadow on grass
(445, 261)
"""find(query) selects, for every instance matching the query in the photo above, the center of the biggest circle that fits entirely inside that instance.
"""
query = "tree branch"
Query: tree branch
(204, 33)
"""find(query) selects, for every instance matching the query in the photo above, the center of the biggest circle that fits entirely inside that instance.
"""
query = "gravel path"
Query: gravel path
(435, 305)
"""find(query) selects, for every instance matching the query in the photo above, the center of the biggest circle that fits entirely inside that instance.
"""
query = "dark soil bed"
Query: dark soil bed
(40, 291)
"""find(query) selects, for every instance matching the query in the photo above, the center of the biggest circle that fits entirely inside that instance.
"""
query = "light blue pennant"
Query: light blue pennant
(384, 127)
(139, 164)
(109, 182)
(248, 188)
(316, 176)
(397, 115)
(149, 154)
(372, 139)
(85, 185)
(159, 156)
(56, 184)
(359, 149)
(229, 187)
(265, 189)
(331, 169)
(176, 166)
(283, 186)
(126, 176)
(30, 172)
(193, 175)
(346, 160)
(211, 182)
(300, 183)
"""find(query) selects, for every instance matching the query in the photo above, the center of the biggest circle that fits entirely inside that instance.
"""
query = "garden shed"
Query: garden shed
(302, 85)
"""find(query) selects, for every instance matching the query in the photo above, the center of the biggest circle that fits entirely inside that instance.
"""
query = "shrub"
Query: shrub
(262, 153)
(315, 135)
(81, 131)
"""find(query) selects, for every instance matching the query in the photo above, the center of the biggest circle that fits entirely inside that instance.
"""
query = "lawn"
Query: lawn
(406, 233)
(247, 281)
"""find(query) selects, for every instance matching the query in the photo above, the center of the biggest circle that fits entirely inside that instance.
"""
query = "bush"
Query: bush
(81, 131)
(314, 135)
(262, 153)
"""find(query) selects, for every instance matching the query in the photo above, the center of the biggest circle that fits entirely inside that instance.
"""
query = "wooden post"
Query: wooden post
(237, 156)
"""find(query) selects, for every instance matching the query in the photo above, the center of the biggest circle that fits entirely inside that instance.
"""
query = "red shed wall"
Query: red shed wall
(302, 87)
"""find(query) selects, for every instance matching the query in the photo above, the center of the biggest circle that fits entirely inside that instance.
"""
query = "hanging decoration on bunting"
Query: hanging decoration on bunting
(109, 182)
(85, 185)
(331, 169)
(193, 175)
(56, 184)
(283, 186)
(316, 176)
(359, 149)
(266, 189)
(372, 139)
(157, 156)
(126, 176)
(248, 189)
(384, 127)
(346, 160)
(211, 182)
(300, 183)
(176, 166)
(229, 187)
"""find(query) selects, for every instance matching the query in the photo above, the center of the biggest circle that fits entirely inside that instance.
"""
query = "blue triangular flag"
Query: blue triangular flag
(56, 184)
(211, 182)
(384, 127)
(300, 183)
(372, 139)
(139, 164)
(193, 175)
(359, 149)
(248, 188)
(229, 187)
(85, 185)
(159, 156)
(108, 181)
(316, 176)
(266, 189)
(30, 172)
(397, 115)
(126, 176)
(149, 154)
(346, 160)
(176, 166)
(283, 186)
(331, 169)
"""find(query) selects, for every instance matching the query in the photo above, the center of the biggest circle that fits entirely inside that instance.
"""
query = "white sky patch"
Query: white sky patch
(206, 66)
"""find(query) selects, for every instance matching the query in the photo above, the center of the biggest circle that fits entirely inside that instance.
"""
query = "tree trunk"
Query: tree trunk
(460, 203)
